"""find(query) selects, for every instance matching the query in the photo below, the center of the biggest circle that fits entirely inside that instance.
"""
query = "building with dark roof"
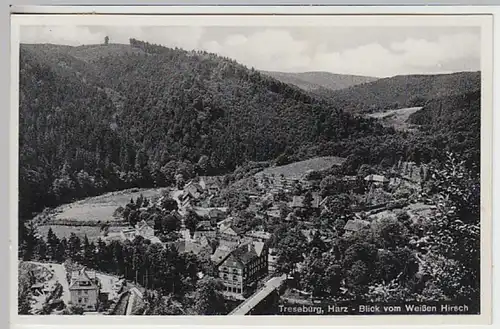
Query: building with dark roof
(242, 267)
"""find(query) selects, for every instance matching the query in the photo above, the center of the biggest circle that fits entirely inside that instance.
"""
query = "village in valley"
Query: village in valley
(233, 225)
(156, 179)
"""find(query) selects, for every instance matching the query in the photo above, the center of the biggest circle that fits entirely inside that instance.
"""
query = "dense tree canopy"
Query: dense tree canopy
(404, 91)
(146, 115)
(146, 118)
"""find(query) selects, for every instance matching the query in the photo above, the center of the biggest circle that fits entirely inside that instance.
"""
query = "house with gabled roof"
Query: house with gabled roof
(355, 225)
(377, 180)
(242, 267)
(128, 233)
(193, 189)
(231, 234)
(192, 192)
(209, 242)
(211, 184)
(220, 254)
(144, 229)
(84, 289)
(205, 228)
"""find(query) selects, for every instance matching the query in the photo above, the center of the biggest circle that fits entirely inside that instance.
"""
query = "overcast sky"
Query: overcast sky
(371, 51)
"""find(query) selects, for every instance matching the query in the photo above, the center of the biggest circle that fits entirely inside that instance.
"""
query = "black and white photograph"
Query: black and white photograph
(251, 169)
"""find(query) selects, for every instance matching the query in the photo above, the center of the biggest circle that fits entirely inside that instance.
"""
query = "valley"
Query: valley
(175, 182)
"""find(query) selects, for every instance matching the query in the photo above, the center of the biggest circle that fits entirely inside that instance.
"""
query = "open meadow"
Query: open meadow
(86, 216)
(296, 170)
(101, 208)
(395, 118)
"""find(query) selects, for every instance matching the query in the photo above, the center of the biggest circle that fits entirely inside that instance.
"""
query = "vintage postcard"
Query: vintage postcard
(298, 168)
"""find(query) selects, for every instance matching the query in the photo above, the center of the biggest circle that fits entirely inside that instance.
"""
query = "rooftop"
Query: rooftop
(83, 280)
(248, 251)
(187, 246)
(220, 254)
(259, 234)
(356, 225)
(231, 230)
(376, 178)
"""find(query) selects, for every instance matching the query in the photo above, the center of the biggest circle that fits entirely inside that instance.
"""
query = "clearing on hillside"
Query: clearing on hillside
(297, 170)
(102, 207)
(395, 118)
(92, 232)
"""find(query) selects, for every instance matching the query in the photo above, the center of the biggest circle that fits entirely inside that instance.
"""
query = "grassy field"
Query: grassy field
(97, 209)
(395, 118)
(297, 169)
(102, 207)
(92, 232)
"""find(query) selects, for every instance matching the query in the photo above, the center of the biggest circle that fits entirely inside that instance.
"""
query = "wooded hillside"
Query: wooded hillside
(404, 91)
(137, 118)
(143, 115)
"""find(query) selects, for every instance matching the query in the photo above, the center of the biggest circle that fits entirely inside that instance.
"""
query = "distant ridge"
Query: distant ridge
(318, 81)
(404, 91)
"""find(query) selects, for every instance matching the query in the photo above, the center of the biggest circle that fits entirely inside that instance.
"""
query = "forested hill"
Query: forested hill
(455, 121)
(120, 116)
(319, 82)
(404, 91)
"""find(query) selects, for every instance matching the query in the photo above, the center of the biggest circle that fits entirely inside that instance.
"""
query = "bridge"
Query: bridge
(261, 294)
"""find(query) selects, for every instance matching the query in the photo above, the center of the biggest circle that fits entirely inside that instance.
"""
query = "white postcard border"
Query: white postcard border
(479, 18)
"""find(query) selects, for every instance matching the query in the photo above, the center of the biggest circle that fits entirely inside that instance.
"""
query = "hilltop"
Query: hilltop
(85, 53)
